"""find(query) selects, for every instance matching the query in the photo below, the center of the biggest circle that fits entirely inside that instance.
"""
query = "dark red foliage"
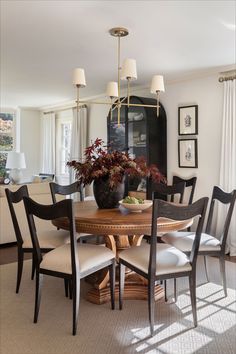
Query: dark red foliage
(99, 162)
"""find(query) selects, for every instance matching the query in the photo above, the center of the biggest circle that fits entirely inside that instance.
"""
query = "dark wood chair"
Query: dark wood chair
(189, 183)
(48, 239)
(159, 261)
(70, 189)
(173, 192)
(209, 244)
(71, 262)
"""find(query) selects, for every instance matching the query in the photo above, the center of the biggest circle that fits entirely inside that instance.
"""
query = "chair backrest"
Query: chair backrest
(61, 209)
(177, 212)
(190, 182)
(70, 189)
(13, 198)
(162, 191)
(226, 198)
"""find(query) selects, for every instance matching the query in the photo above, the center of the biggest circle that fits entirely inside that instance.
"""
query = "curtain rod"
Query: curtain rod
(226, 78)
(64, 109)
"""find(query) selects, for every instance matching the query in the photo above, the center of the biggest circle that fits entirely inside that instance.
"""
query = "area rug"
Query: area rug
(101, 330)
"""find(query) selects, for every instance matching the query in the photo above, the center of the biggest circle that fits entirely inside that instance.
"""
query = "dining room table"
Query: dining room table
(121, 229)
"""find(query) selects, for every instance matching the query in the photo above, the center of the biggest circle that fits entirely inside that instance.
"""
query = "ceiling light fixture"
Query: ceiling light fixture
(127, 72)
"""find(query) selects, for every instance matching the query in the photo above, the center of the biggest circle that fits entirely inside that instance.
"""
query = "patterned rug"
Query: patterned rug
(101, 330)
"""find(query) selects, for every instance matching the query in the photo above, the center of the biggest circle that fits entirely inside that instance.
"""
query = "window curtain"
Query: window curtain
(78, 137)
(48, 153)
(228, 160)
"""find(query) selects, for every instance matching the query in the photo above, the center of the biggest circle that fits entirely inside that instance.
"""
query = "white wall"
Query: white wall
(30, 141)
(207, 93)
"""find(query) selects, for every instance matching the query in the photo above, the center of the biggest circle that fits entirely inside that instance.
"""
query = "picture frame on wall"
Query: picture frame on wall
(187, 153)
(188, 120)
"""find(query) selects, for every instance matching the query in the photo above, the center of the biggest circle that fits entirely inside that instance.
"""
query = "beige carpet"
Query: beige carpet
(101, 330)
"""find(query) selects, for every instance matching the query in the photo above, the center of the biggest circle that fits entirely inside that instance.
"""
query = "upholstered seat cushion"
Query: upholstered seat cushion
(184, 240)
(49, 239)
(168, 258)
(90, 256)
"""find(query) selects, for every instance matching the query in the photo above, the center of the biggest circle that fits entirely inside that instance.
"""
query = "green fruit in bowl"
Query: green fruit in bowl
(133, 200)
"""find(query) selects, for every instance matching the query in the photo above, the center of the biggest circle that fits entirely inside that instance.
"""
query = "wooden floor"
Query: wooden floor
(9, 255)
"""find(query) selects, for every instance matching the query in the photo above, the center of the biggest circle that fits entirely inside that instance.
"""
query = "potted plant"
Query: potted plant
(107, 169)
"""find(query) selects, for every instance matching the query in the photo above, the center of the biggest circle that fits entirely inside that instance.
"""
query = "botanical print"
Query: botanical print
(187, 153)
(188, 120)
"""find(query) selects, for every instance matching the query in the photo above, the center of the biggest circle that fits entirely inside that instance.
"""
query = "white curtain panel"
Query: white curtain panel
(78, 137)
(48, 153)
(228, 160)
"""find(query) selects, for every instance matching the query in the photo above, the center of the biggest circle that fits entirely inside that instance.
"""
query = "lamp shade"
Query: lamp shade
(79, 77)
(112, 89)
(157, 84)
(15, 160)
(129, 70)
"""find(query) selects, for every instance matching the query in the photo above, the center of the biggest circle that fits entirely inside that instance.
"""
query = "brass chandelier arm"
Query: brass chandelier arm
(121, 103)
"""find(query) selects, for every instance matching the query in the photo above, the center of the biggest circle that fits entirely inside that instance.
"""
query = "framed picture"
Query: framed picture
(188, 120)
(187, 153)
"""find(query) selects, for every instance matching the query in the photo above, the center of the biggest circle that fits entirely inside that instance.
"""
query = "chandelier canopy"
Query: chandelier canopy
(128, 72)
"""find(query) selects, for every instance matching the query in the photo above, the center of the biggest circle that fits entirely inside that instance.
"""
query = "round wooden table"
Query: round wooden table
(122, 229)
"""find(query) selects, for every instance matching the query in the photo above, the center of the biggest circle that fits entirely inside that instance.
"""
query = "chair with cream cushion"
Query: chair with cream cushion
(48, 239)
(189, 183)
(73, 261)
(71, 190)
(158, 261)
(209, 244)
(173, 193)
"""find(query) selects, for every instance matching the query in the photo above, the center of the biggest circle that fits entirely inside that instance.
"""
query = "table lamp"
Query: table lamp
(15, 163)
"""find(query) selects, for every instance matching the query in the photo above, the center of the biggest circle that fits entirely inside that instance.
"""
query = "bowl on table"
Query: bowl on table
(136, 207)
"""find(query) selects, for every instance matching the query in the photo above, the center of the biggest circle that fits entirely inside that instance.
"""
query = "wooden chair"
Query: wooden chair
(159, 261)
(163, 191)
(48, 239)
(71, 262)
(190, 182)
(70, 189)
(209, 244)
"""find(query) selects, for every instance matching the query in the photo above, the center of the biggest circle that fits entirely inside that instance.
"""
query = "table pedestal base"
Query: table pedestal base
(131, 292)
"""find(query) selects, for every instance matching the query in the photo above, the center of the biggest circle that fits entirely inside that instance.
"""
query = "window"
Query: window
(6, 138)
(63, 139)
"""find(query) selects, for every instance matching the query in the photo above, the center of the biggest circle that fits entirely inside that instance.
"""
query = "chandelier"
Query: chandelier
(126, 72)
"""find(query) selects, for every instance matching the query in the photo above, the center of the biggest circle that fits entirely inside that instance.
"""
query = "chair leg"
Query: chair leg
(19, 268)
(175, 289)
(192, 288)
(38, 284)
(66, 285)
(76, 297)
(33, 268)
(121, 284)
(112, 271)
(223, 275)
(165, 290)
(70, 289)
(151, 304)
(205, 264)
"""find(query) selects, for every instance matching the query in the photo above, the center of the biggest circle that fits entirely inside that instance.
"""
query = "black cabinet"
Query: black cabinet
(141, 133)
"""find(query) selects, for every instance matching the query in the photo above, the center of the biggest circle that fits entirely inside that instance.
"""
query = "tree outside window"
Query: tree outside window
(6, 139)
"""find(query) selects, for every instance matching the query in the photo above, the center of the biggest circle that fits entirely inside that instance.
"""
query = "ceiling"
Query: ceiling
(43, 41)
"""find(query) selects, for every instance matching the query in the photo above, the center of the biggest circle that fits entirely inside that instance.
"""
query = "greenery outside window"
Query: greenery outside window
(6, 139)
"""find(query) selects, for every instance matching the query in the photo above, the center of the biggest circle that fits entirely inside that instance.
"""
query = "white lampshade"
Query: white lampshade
(129, 70)
(79, 77)
(15, 160)
(112, 89)
(157, 84)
